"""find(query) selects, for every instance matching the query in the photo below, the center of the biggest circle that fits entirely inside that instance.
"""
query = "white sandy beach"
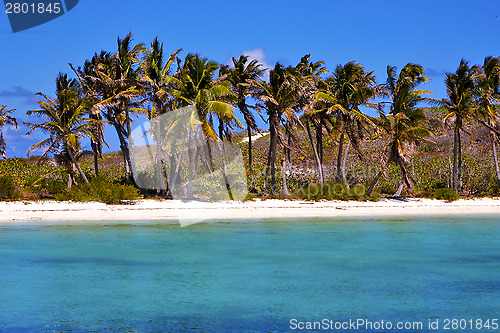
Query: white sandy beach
(32, 211)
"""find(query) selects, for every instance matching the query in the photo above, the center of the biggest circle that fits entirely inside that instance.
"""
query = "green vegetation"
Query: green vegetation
(321, 142)
(33, 179)
(100, 190)
(8, 188)
(447, 194)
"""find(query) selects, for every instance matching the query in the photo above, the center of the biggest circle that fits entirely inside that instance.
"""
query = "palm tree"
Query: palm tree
(308, 76)
(488, 91)
(90, 86)
(194, 84)
(115, 80)
(66, 122)
(5, 119)
(240, 77)
(349, 87)
(461, 105)
(278, 97)
(403, 124)
(157, 80)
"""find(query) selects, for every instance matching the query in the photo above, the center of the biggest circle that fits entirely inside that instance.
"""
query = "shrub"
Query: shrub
(100, 190)
(8, 189)
(447, 194)
(375, 196)
(52, 186)
(386, 187)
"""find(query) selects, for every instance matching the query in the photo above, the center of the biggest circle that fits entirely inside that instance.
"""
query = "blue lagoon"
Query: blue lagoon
(250, 276)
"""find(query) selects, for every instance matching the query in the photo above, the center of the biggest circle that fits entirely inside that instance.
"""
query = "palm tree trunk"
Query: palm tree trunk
(96, 166)
(495, 157)
(189, 188)
(289, 162)
(319, 141)
(175, 181)
(344, 163)
(159, 174)
(316, 156)
(274, 152)
(339, 156)
(400, 190)
(268, 167)
(95, 150)
(250, 166)
(127, 163)
(457, 157)
(127, 134)
(224, 166)
(372, 185)
(283, 174)
(70, 153)
(70, 181)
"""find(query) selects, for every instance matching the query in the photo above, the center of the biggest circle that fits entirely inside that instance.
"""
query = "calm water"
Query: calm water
(252, 276)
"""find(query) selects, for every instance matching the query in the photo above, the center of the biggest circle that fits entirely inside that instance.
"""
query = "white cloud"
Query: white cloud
(259, 55)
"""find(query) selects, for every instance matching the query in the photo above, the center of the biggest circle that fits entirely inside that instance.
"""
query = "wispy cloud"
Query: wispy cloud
(435, 72)
(259, 55)
(29, 97)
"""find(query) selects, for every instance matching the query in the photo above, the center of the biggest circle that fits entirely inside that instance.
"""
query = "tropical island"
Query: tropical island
(339, 134)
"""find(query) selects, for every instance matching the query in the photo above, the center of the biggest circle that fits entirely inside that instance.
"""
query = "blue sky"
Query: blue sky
(436, 34)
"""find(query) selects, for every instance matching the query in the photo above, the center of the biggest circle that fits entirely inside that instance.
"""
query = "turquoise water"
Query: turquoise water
(249, 276)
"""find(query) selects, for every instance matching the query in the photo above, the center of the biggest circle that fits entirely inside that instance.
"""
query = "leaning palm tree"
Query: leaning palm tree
(461, 105)
(66, 122)
(403, 124)
(91, 86)
(488, 91)
(5, 119)
(240, 77)
(115, 80)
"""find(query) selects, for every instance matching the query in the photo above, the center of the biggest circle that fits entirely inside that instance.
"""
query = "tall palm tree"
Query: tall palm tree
(115, 80)
(349, 87)
(461, 105)
(305, 80)
(66, 122)
(240, 77)
(488, 91)
(91, 86)
(194, 84)
(5, 119)
(157, 80)
(403, 124)
(278, 98)
(308, 79)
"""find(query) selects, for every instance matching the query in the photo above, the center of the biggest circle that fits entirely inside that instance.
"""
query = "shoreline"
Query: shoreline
(189, 212)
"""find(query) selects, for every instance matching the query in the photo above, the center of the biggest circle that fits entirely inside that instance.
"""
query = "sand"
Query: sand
(192, 212)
